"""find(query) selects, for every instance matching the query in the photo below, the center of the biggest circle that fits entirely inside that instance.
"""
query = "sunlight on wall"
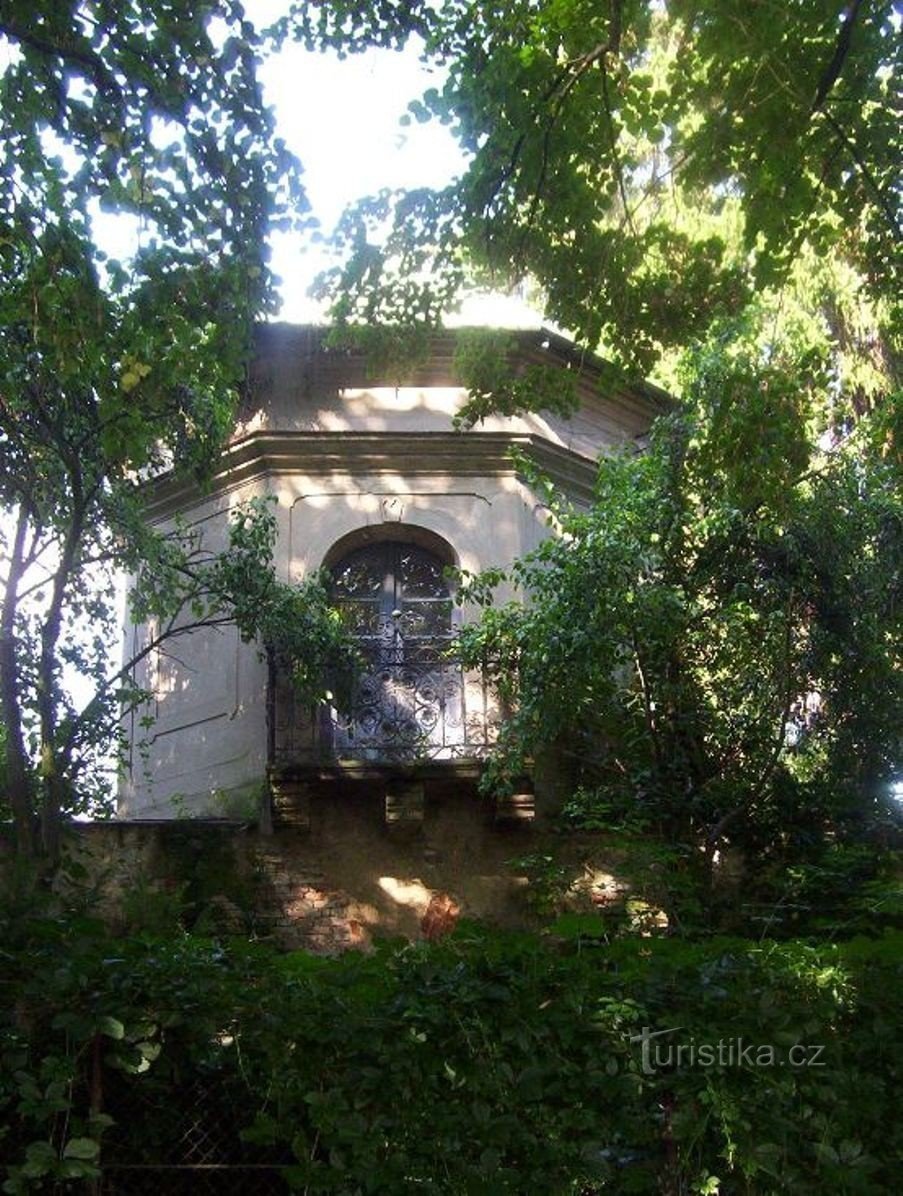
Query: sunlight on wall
(406, 892)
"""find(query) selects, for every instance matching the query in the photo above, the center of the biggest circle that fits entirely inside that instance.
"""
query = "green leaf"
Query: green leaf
(111, 1027)
(81, 1148)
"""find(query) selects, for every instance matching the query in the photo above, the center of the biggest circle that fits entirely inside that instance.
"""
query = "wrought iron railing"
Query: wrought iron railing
(410, 703)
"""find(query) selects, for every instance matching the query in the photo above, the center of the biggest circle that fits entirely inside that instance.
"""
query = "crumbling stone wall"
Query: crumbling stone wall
(346, 877)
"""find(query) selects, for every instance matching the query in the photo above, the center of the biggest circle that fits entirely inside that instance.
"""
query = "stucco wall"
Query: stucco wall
(206, 749)
(341, 453)
(300, 384)
(485, 520)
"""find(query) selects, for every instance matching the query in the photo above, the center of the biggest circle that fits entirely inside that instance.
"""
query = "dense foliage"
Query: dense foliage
(654, 167)
(113, 367)
(707, 191)
(712, 661)
(709, 653)
(488, 1064)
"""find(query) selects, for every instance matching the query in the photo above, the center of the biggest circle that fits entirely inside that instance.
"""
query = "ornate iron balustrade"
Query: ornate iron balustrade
(411, 702)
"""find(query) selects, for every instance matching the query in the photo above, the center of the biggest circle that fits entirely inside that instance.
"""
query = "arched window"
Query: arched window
(408, 703)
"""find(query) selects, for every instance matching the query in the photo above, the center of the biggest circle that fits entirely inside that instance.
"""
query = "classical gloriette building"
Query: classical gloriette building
(373, 484)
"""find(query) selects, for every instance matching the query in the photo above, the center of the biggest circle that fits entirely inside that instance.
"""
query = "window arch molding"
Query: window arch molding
(403, 533)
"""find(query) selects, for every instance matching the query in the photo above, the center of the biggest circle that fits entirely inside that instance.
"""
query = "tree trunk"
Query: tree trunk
(18, 778)
(53, 782)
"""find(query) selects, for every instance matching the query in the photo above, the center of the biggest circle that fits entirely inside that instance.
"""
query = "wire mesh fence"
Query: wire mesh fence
(172, 1139)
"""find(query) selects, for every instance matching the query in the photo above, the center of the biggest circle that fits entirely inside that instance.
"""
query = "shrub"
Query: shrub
(489, 1063)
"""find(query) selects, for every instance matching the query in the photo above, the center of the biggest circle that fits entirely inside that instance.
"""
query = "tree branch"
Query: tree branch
(47, 677)
(18, 779)
(714, 836)
(84, 56)
(563, 83)
(841, 50)
(615, 156)
(648, 712)
(108, 683)
(883, 202)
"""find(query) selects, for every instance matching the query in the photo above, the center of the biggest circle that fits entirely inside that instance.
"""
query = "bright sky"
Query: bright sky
(341, 118)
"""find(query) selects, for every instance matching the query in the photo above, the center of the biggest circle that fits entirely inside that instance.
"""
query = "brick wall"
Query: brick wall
(347, 874)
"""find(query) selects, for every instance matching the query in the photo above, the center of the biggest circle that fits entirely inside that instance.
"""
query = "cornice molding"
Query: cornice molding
(349, 367)
(355, 454)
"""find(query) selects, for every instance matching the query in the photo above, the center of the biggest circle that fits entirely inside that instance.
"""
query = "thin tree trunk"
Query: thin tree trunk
(18, 778)
(52, 780)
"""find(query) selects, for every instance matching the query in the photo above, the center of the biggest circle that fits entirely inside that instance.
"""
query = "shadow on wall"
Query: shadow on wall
(347, 879)
(209, 728)
(351, 876)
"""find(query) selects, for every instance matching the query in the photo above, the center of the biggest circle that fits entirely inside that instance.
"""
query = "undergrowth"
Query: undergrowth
(489, 1063)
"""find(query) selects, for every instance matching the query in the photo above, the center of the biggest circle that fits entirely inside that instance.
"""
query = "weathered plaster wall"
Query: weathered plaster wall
(301, 385)
(486, 520)
(342, 453)
(206, 746)
(205, 752)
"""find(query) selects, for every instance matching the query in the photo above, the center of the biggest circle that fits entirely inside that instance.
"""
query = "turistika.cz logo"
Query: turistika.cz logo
(658, 1052)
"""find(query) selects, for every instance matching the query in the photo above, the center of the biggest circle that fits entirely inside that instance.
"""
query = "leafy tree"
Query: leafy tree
(713, 652)
(708, 191)
(652, 166)
(150, 112)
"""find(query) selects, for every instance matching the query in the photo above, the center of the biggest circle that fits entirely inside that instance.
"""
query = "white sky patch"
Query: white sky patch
(341, 119)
